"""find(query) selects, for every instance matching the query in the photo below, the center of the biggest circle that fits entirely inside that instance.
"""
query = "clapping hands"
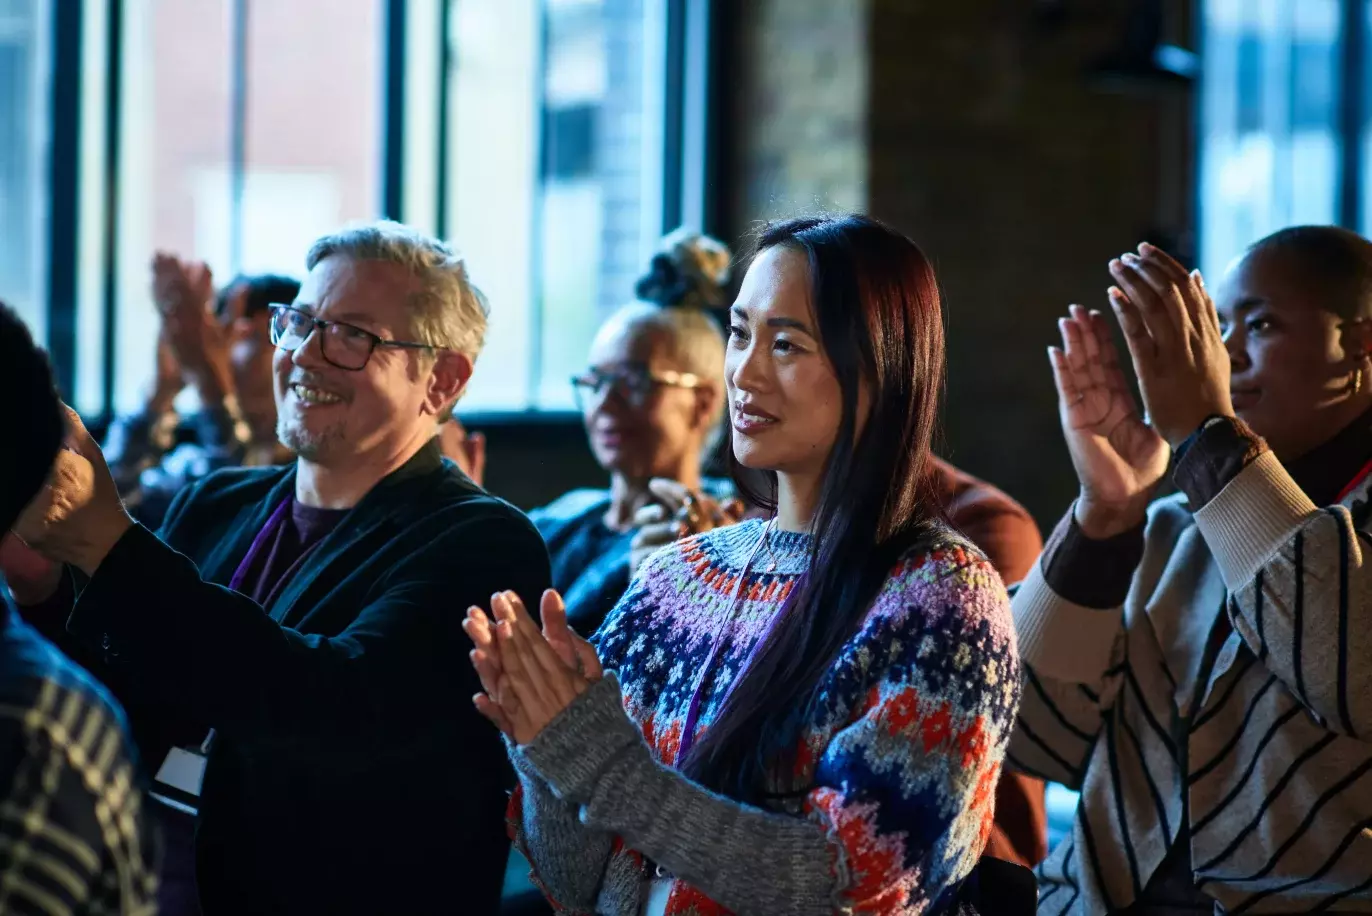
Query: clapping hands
(528, 677)
(1173, 335)
(194, 337)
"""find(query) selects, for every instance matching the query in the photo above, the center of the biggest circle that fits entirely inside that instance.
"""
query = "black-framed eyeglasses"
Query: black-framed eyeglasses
(343, 345)
(634, 383)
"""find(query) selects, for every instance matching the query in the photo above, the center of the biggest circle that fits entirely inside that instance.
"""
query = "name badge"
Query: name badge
(178, 780)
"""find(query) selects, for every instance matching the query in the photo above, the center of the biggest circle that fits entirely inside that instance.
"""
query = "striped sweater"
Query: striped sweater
(896, 771)
(1226, 704)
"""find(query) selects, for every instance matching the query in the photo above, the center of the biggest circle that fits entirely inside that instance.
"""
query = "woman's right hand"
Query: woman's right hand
(1119, 458)
(573, 651)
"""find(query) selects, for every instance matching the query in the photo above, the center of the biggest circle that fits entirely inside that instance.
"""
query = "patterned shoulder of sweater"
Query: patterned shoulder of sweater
(948, 570)
(904, 746)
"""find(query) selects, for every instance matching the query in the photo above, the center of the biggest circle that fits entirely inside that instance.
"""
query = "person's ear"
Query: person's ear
(447, 380)
(707, 402)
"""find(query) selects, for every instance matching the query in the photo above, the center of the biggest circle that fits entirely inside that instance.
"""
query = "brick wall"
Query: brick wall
(972, 128)
(798, 98)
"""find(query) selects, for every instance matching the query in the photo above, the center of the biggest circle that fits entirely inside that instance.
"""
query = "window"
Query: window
(24, 135)
(533, 133)
(243, 139)
(313, 127)
(174, 136)
(1271, 143)
(554, 177)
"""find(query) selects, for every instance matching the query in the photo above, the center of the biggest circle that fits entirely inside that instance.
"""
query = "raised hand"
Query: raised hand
(1119, 459)
(184, 292)
(1174, 339)
(677, 513)
(78, 516)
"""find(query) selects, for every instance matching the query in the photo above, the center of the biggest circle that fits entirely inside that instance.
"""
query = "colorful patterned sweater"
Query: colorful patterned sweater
(898, 764)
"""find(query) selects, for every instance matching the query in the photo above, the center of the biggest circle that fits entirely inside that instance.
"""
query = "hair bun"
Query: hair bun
(690, 270)
(663, 284)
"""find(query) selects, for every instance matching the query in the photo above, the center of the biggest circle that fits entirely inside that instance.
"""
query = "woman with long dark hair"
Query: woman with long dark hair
(805, 714)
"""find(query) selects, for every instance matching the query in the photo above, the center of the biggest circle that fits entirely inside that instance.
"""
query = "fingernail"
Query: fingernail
(1130, 259)
(1114, 263)
(1196, 274)
(1145, 248)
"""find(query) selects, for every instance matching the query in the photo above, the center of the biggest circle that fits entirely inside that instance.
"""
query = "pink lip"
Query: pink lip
(752, 410)
(750, 419)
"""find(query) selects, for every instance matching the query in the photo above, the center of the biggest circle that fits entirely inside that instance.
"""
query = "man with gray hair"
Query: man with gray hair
(308, 618)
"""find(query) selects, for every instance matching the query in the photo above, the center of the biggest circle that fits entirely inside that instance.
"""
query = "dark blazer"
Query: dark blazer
(350, 772)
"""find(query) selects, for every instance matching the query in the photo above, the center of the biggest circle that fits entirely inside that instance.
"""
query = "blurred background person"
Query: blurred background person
(73, 835)
(467, 450)
(219, 345)
(652, 400)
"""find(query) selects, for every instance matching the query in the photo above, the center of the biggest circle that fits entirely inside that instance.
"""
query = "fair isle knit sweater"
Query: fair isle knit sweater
(896, 773)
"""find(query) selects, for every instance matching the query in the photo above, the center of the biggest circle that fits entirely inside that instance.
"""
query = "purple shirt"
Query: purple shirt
(294, 540)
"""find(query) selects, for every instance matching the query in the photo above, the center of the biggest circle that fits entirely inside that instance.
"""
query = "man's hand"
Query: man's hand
(78, 517)
(1174, 339)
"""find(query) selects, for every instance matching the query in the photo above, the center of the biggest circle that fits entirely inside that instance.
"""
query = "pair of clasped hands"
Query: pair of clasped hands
(528, 675)
(1179, 356)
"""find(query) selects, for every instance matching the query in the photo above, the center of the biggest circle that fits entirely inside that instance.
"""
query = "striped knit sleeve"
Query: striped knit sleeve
(903, 798)
(1072, 659)
(1300, 579)
(568, 859)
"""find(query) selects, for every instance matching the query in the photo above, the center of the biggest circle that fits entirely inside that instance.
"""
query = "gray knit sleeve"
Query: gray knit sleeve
(568, 858)
(749, 860)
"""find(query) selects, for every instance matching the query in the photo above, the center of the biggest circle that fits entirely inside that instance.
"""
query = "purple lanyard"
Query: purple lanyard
(259, 543)
(693, 708)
